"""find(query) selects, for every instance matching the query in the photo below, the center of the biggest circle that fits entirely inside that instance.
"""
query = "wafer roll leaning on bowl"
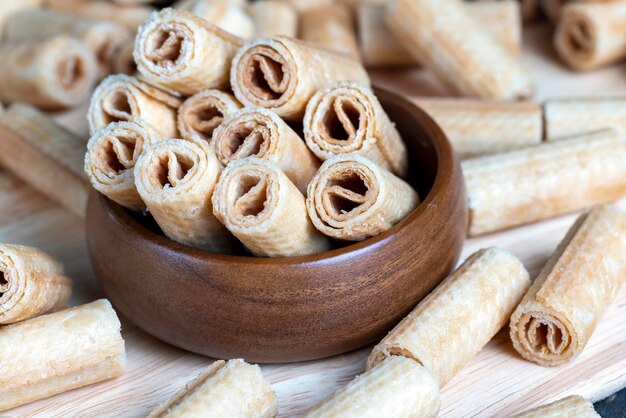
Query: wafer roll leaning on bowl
(226, 15)
(227, 389)
(330, 26)
(572, 406)
(58, 352)
(274, 17)
(570, 117)
(202, 113)
(292, 70)
(556, 318)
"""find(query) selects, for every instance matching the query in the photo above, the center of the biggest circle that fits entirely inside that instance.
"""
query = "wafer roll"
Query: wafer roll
(261, 133)
(460, 316)
(351, 198)
(330, 26)
(111, 157)
(396, 388)
(226, 15)
(303, 5)
(203, 112)
(566, 118)
(556, 318)
(274, 17)
(120, 97)
(572, 406)
(543, 181)
(282, 74)
(346, 117)
(260, 205)
(58, 352)
(227, 389)
(10, 8)
(468, 59)
(129, 16)
(44, 155)
(177, 50)
(502, 19)
(477, 127)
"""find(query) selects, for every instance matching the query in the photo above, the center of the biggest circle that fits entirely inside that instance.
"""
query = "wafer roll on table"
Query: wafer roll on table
(203, 112)
(58, 352)
(274, 17)
(262, 133)
(176, 178)
(570, 117)
(572, 406)
(395, 388)
(129, 16)
(330, 26)
(177, 50)
(226, 15)
(260, 205)
(120, 97)
(556, 318)
(544, 181)
(282, 74)
(351, 198)
(227, 389)
(32, 283)
(346, 117)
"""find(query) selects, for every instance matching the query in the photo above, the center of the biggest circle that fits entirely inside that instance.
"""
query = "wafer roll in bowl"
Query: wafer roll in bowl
(202, 113)
(572, 406)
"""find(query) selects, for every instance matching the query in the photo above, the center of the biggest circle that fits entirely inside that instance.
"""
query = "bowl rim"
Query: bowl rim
(444, 178)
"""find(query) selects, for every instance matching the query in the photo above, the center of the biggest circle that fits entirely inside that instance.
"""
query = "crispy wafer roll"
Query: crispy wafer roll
(260, 205)
(274, 17)
(502, 18)
(283, 73)
(478, 127)
(180, 51)
(203, 112)
(572, 406)
(32, 283)
(543, 181)
(346, 117)
(330, 26)
(468, 59)
(111, 157)
(396, 388)
(556, 318)
(226, 15)
(46, 156)
(227, 389)
(463, 313)
(262, 133)
(129, 16)
(351, 198)
(175, 179)
(566, 118)
(120, 97)
(58, 352)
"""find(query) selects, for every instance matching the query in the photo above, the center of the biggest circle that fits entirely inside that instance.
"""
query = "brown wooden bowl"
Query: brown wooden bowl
(288, 309)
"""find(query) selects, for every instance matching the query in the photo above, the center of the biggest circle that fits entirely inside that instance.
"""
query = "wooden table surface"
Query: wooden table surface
(495, 383)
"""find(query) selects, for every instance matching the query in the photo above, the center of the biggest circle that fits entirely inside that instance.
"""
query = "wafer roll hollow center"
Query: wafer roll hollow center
(70, 71)
(341, 121)
(348, 192)
(117, 105)
(580, 36)
(545, 335)
(251, 136)
(266, 75)
(10, 285)
(168, 45)
(170, 169)
(118, 153)
(251, 194)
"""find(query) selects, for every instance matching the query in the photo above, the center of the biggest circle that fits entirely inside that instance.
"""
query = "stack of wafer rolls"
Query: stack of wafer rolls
(129, 16)
(572, 406)
(227, 389)
(556, 318)
(225, 14)
(330, 26)
(32, 283)
(566, 118)
(274, 17)
(202, 113)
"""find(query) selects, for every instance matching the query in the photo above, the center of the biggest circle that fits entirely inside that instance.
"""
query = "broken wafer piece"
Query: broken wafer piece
(554, 321)
(203, 112)
(572, 406)
(274, 17)
(569, 117)
(227, 389)
(330, 26)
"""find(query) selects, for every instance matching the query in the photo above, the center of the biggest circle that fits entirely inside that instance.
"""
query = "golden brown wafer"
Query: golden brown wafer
(226, 15)
(274, 17)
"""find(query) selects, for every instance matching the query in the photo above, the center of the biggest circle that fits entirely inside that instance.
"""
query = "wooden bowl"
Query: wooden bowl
(288, 309)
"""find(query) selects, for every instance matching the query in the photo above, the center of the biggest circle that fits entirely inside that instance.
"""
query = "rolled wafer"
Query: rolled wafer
(282, 74)
(227, 389)
(203, 112)
(566, 118)
(226, 15)
(395, 388)
(346, 117)
(479, 127)
(120, 97)
(330, 26)
(351, 198)
(129, 16)
(262, 133)
(468, 59)
(543, 181)
(460, 316)
(177, 50)
(303, 5)
(58, 352)
(556, 318)
(274, 17)
(32, 283)
(260, 205)
(111, 157)
(572, 406)
(175, 179)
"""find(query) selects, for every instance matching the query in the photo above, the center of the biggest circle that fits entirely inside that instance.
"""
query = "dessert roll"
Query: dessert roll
(501, 18)
(177, 50)
(274, 17)
(129, 16)
(330, 26)
(120, 97)
(111, 157)
(282, 74)
(203, 112)
(345, 118)
(226, 15)
(351, 198)
(460, 316)
(570, 117)
(260, 205)
(572, 406)
(556, 318)
(58, 352)
(262, 133)
(395, 388)
(227, 389)
(175, 179)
